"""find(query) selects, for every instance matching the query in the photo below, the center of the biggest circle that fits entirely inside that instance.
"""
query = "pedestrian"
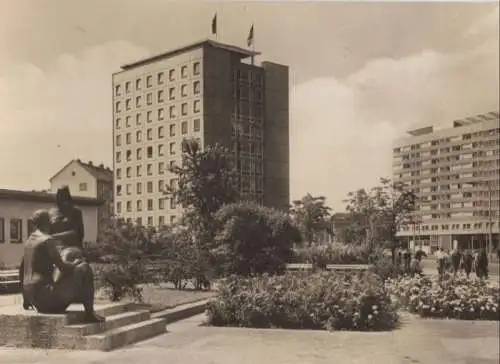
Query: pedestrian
(406, 260)
(467, 262)
(456, 257)
(441, 261)
(482, 264)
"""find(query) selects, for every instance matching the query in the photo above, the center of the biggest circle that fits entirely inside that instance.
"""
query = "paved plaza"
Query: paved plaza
(417, 341)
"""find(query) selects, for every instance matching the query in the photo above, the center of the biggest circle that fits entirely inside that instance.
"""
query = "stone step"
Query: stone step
(112, 322)
(125, 335)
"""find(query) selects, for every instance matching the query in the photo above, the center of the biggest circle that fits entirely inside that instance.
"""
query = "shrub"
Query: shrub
(333, 253)
(326, 300)
(252, 239)
(457, 298)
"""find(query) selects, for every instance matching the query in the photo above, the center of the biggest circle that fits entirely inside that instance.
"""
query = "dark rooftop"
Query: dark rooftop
(242, 52)
(41, 196)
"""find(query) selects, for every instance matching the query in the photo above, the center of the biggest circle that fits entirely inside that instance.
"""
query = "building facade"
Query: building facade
(88, 180)
(204, 91)
(16, 210)
(455, 175)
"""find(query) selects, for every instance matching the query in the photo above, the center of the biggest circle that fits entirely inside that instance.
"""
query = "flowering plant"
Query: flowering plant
(333, 253)
(458, 298)
(326, 300)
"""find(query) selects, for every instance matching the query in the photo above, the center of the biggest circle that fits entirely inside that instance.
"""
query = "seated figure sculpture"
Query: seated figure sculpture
(40, 289)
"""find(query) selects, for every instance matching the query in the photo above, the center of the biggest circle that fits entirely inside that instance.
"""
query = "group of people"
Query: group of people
(467, 261)
(53, 271)
(409, 262)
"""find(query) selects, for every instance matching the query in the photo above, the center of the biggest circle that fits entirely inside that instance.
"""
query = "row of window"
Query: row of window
(150, 220)
(15, 229)
(150, 205)
(475, 226)
(160, 97)
(160, 113)
(149, 187)
(160, 78)
(160, 132)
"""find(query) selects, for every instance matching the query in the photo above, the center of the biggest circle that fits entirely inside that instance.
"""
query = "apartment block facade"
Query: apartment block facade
(204, 91)
(455, 174)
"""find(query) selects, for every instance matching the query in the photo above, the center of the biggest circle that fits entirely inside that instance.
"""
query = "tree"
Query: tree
(252, 239)
(205, 182)
(382, 211)
(312, 216)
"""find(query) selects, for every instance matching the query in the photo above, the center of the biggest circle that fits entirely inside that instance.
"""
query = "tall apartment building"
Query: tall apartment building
(455, 174)
(206, 91)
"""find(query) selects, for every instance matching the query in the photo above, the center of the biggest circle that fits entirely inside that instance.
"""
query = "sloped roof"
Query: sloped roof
(99, 172)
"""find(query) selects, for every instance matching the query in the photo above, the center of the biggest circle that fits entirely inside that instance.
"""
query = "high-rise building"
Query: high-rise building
(454, 173)
(207, 91)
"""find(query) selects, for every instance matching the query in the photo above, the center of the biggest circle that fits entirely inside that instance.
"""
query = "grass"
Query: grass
(164, 296)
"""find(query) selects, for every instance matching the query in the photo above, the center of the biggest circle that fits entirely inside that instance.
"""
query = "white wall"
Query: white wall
(11, 252)
(81, 175)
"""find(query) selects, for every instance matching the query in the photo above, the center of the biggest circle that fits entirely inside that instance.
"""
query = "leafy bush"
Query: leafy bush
(383, 266)
(332, 253)
(326, 300)
(252, 239)
(121, 251)
(458, 298)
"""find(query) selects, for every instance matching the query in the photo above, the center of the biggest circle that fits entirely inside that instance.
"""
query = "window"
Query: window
(171, 93)
(150, 152)
(161, 114)
(161, 185)
(118, 123)
(128, 121)
(150, 205)
(172, 148)
(128, 104)
(2, 230)
(171, 164)
(138, 188)
(184, 91)
(150, 220)
(150, 187)
(118, 207)
(129, 206)
(172, 130)
(138, 120)
(160, 96)
(128, 138)
(161, 150)
(172, 219)
(161, 78)
(184, 71)
(196, 68)
(184, 127)
(138, 136)
(138, 171)
(118, 106)
(138, 101)
(149, 116)
(161, 132)
(149, 169)
(138, 84)
(118, 173)
(184, 109)
(82, 186)
(149, 81)
(129, 189)
(161, 220)
(196, 125)
(172, 111)
(16, 230)
(118, 157)
(138, 154)
(171, 75)
(129, 172)
(161, 167)
(149, 98)
(118, 90)
(139, 205)
(118, 140)
(196, 106)
(149, 134)
(172, 203)
(129, 155)
(196, 87)
(161, 204)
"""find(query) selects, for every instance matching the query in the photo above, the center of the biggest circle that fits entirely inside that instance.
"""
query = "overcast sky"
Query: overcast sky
(361, 74)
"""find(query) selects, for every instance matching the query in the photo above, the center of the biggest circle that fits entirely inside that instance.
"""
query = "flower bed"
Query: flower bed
(299, 300)
(458, 298)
